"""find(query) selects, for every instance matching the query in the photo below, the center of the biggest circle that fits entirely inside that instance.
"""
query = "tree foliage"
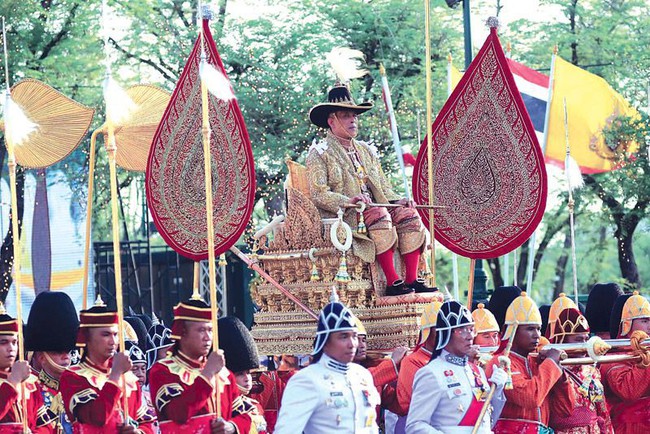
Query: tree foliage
(274, 54)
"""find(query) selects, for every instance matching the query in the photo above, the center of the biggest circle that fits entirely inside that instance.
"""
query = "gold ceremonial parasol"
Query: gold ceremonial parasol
(62, 124)
(134, 135)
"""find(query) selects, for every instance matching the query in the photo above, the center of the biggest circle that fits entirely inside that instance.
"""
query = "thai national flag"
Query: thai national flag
(533, 87)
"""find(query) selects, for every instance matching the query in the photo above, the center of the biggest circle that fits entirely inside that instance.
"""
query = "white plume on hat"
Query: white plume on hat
(346, 63)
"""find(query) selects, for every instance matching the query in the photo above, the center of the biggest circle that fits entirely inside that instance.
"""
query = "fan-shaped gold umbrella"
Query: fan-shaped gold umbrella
(62, 124)
(133, 136)
(59, 125)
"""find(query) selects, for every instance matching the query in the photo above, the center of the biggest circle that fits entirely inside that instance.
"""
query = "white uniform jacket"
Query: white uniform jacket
(443, 391)
(329, 397)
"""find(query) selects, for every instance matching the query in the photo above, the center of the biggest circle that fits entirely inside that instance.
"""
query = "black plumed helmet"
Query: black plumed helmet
(599, 305)
(52, 324)
(617, 313)
(139, 328)
(148, 322)
(501, 298)
(238, 345)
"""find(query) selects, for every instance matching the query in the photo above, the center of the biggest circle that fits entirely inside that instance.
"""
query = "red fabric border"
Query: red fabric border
(504, 242)
(230, 219)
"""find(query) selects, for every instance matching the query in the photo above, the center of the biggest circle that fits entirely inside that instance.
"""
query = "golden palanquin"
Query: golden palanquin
(298, 246)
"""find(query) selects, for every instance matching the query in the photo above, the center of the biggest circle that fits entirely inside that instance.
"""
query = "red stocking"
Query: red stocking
(411, 261)
(388, 266)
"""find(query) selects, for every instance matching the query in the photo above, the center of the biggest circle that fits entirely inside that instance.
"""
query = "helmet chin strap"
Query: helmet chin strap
(340, 124)
(58, 369)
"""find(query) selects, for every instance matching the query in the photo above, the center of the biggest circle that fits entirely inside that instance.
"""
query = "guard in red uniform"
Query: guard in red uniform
(627, 384)
(16, 377)
(535, 382)
(184, 384)
(92, 390)
(590, 415)
(51, 333)
(241, 358)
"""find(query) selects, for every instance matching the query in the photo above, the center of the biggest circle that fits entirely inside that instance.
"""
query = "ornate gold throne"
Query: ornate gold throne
(299, 254)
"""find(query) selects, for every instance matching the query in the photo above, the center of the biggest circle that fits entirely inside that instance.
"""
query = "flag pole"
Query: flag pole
(533, 238)
(393, 128)
(454, 256)
(427, 32)
(207, 171)
(571, 204)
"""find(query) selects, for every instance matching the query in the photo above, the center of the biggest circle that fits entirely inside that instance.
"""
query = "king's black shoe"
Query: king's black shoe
(398, 288)
(419, 286)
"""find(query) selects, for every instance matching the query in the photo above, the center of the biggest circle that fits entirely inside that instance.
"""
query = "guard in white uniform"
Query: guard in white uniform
(449, 392)
(332, 395)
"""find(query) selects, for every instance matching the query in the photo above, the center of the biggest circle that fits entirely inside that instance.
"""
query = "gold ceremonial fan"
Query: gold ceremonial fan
(62, 124)
(134, 135)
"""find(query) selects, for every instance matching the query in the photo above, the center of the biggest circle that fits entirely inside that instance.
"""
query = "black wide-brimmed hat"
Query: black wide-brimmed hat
(338, 98)
(52, 324)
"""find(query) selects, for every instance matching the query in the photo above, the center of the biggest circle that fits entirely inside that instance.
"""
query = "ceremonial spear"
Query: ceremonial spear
(574, 181)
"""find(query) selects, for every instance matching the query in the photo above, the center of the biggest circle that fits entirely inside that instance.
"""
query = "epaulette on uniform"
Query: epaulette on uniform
(319, 146)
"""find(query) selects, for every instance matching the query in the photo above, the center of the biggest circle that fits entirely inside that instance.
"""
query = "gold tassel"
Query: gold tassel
(342, 276)
(315, 277)
(222, 260)
(361, 226)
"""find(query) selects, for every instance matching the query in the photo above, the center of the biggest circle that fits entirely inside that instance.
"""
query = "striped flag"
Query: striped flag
(534, 89)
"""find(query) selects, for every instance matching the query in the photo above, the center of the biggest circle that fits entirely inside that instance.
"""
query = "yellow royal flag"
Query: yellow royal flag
(453, 77)
(592, 105)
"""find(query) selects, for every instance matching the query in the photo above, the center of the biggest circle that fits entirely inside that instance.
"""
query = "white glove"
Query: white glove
(499, 377)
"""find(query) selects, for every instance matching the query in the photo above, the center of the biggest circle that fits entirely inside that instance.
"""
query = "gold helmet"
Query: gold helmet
(428, 320)
(484, 320)
(635, 307)
(361, 330)
(523, 310)
(561, 302)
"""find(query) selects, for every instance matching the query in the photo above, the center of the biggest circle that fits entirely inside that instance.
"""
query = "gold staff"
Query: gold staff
(11, 164)
(209, 207)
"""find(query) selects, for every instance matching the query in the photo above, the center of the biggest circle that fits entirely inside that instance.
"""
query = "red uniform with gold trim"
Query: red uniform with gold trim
(590, 416)
(627, 386)
(535, 385)
(49, 388)
(11, 411)
(185, 400)
(93, 403)
(627, 389)
(273, 385)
